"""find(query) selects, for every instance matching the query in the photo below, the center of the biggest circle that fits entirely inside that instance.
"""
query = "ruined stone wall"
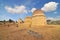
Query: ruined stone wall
(27, 22)
(20, 24)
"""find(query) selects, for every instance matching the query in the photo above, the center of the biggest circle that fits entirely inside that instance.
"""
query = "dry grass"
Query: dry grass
(50, 32)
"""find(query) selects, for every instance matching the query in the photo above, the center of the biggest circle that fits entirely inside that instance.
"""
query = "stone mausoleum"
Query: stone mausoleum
(38, 18)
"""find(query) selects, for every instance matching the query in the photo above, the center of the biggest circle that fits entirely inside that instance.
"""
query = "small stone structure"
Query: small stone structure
(20, 24)
(27, 22)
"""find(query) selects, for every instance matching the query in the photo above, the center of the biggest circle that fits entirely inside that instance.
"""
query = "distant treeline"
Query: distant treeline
(55, 22)
(10, 20)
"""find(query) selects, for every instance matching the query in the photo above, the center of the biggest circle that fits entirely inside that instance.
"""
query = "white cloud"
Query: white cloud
(51, 6)
(58, 16)
(50, 18)
(55, 12)
(6, 17)
(54, 18)
(16, 9)
(33, 9)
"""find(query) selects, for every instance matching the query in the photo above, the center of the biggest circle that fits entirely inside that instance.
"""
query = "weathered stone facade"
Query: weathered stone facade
(38, 18)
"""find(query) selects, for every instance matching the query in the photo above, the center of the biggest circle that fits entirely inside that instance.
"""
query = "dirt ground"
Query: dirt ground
(11, 32)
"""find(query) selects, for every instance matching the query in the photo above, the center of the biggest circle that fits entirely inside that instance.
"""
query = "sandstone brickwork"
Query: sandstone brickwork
(38, 18)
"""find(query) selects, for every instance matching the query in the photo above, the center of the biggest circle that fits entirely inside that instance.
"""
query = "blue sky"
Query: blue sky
(28, 5)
